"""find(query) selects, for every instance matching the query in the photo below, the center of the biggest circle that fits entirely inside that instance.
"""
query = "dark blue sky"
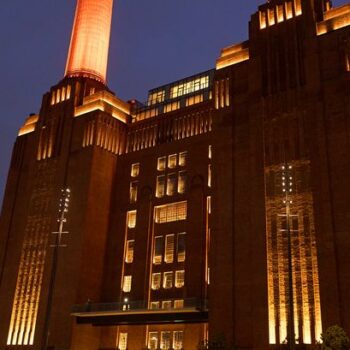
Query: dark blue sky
(153, 42)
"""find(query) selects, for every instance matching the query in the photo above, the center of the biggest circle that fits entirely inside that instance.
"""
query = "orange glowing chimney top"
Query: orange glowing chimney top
(89, 45)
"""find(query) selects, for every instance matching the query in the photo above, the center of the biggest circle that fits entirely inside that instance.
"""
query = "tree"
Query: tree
(335, 338)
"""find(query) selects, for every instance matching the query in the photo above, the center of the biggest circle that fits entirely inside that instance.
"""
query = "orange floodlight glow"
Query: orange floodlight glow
(89, 46)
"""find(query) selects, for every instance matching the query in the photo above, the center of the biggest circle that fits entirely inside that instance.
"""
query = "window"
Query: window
(153, 340)
(123, 341)
(127, 284)
(181, 247)
(169, 249)
(178, 340)
(135, 170)
(181, 184)
(182, 158)
(156, 281)
(172, 161)
(165, 340)
(209, 205)
(171, 186)
(179, 304)
(188, 87)
(158, 250)
(179, 279)
(160, 187)
(210, 154)
(53, 99)
(69, 89)
(166, 304)
(156, 97)
(209, 175)
(154, 305)
(192, 100)
(58, 96)
(131, 218)
(129, 255)
(168, 280)
(63, 94)
(170, 212)
(133, 191)
(161, 164)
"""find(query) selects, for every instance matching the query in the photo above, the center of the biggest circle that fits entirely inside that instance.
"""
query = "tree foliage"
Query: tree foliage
(335, 338)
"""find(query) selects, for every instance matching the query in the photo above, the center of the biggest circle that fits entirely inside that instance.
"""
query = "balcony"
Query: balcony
(137, 313)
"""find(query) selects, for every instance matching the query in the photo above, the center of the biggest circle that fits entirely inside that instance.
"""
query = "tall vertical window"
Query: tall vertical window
(123, 341)
(209, 175)
(153, 340)
(129, 254)
(131, 218)
(182, 159)
(209, 204)
(168, 280)
(135, 170)
(166, 304)
(169, 249)
(181, 247)
(161, 164)
(181, 184)
(172, 161)
(165, 340)
(160, 186)
(210, 154)
(179, 279)
(178, 340)
(127, 284)
(133, 191)
(170, 212)
(156, 281)
(158, 250)
(171, 184)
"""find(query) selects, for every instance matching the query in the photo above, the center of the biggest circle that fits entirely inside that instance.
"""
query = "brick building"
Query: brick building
(218, 208)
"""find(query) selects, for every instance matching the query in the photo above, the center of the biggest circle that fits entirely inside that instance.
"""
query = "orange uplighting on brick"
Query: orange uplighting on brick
(88, 52)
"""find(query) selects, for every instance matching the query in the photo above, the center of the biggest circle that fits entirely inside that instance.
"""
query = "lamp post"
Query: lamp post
(287, 188)
(63, 210)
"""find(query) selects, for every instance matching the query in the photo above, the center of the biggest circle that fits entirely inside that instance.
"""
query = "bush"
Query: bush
(335, 338)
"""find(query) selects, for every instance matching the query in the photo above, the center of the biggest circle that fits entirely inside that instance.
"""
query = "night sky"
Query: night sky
(153, 42)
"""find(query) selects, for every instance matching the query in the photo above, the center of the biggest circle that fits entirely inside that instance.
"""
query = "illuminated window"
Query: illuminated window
(171, 184)
(131, 218)
(181, 247)
(209, 205)
(280, 15)
(262, 19)
(69, 89)
(179, 304)
(271, 16)
(170, 212)
(179, 279)
(172, 161)
(153, 340)
(53, 99)
(129, 255)
(189, 87)
(123, 341)
(165, 340)
(127, 284)
(161, 164)
(58, 96)
(63, 94)
(154, 305)
(210, 154)
(182, 158)
(166, 304)
(135, 170)
(158, 250)
(156, 281)
(133, 191)
(160, 187)
(209, 175)
(181, 184)
(168, 280)
(178, 340)
(173, 106)
(169, 249)
(289, 9)
(156, 97)
(194, 100)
